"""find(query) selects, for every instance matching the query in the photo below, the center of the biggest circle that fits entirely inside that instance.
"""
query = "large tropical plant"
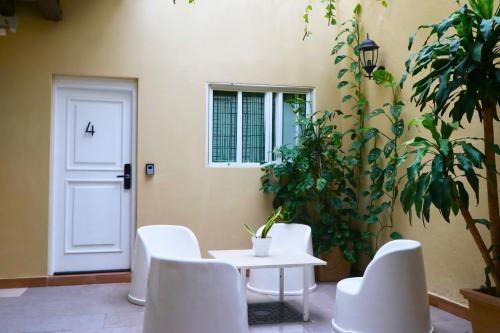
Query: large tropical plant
(459, 79)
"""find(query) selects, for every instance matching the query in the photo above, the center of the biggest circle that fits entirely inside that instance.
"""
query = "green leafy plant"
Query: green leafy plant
(458, 77)
(382, 158)
(271, 220)
(314, 186)
(319, 182)
(330, 13)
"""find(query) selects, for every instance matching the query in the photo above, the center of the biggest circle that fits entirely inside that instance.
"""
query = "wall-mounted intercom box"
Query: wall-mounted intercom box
(150, 169)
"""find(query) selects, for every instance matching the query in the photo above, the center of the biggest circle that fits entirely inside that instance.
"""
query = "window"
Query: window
(246, 123)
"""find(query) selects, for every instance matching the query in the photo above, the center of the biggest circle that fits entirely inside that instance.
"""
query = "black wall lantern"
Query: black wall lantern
(368, 50)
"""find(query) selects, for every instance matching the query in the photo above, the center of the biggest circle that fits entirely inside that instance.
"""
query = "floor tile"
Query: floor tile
(123, 319)
(105, 309)
(452, 327)
(13, 292)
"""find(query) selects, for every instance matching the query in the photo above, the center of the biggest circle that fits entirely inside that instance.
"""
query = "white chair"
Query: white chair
(289, 237)
(194, 296)
(159, 240)
(391, 297)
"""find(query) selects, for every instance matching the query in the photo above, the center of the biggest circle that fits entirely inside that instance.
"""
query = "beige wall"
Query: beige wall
(451, 258)
(173, 51)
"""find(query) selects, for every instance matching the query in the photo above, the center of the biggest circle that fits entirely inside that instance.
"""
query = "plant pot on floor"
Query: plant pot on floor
(484, 311)
(261, 246)
(336, 269)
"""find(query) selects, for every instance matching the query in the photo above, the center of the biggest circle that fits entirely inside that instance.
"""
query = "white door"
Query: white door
(93, 140)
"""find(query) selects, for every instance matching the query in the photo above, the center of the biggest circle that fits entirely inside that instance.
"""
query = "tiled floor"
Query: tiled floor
(105, 309)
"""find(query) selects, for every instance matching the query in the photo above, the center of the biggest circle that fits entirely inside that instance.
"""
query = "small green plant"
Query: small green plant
(275, 216)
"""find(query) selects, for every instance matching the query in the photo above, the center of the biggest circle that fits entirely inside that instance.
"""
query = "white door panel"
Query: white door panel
(93, 138)
(92, 223)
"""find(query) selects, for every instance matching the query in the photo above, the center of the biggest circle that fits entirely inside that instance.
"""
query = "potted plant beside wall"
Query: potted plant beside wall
(458, 76)
(314, 184)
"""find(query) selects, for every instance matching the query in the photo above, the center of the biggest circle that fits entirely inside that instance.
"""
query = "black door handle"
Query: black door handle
(127, 176)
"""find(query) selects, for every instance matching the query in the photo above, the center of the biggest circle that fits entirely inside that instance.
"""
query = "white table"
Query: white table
(245, 259)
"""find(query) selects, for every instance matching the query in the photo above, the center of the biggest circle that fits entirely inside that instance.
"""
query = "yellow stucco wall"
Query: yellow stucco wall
(452, 260)
(173, 51)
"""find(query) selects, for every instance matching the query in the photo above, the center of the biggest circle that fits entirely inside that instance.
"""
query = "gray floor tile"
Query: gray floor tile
(105, 309)
(452, 327)
(124, 319)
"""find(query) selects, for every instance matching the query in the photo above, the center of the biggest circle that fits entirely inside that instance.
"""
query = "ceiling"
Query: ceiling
(50, 9)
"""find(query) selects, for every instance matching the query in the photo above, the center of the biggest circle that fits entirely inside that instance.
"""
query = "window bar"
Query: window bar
(267, 126)
(239, 131)
(279, 120)
(224, 127)
(254, 131)
(210, 124)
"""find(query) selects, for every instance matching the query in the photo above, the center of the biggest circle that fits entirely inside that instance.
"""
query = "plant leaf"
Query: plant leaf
(346, 98)
(398, 128)
(320, 183)
(389, 147)
(484, 222)
(342, 84)
(473, 154)
(396, 235)
(374, 155)
(342, 72)
(249, 229)
(486, 28)
(477, 52)
(340, 58)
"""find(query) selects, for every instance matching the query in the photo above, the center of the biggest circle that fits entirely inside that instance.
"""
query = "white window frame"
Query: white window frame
(268, 90)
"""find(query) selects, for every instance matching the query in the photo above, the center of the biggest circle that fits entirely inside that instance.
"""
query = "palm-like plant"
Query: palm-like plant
(459, 77)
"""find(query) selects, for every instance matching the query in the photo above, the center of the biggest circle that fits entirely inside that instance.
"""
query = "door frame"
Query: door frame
(91, 83)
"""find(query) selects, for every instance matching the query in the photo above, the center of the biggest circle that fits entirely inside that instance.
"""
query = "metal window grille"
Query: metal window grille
(273, 126)
(224, 126)
(254, 135)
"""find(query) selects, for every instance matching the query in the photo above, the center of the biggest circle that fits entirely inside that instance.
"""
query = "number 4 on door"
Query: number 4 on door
(90, 129)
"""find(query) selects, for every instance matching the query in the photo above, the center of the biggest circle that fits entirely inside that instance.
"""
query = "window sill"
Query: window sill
(234, 165)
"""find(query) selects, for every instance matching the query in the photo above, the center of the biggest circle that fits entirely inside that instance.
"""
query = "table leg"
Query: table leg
(305, 293)
(282, 284)
(243, 272)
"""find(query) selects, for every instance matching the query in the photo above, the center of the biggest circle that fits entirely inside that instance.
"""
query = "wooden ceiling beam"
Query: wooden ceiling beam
(7, 7)
(51, 9)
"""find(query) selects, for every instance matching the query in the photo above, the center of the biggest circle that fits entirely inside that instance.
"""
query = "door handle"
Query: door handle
(127, 176)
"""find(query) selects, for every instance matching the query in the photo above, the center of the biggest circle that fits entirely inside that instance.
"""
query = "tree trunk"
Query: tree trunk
(480, 243)
(492, 185)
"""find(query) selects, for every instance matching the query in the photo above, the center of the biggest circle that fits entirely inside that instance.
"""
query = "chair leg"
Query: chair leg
(305, 293)
(243, 272)
(282, 284)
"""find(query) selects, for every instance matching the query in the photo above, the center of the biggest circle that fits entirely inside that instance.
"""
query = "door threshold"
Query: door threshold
(79, 278)
(93, 272)
(66, 280)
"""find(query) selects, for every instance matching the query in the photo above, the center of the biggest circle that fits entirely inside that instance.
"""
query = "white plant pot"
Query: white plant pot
(261, 246)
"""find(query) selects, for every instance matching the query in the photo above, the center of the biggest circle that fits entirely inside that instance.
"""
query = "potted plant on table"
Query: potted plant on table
(461, 79)
(262, 243)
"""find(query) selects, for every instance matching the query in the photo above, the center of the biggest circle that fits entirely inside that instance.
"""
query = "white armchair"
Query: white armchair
(391, 297)
(158, 240)
(193, 296)
(289, 237)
